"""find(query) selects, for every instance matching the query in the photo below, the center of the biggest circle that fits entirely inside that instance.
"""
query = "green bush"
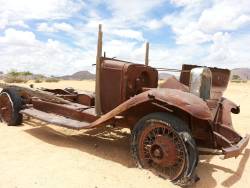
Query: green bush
(52, 79)
(14, 76)
(37, 80)
(13, 79)
(236, 77)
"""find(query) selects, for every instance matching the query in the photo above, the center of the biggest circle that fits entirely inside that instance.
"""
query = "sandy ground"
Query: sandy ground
(41, 155)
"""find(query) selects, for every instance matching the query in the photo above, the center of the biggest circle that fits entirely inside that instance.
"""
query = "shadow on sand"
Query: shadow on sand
(107, 143)
(114, 144)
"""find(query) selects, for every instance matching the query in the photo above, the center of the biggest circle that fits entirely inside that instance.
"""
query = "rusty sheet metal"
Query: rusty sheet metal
(79, 112)
(30, 92)
(173, 83)
(236, 150)
(85, 99)
(55, 119)
(228, 132)
(224, 113)
(183, 100)
(56, 91)
(121, 80)
(220, 79)
(220, 76)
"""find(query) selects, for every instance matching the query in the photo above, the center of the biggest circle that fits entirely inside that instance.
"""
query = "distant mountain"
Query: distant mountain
(81, 75)
(243, 73)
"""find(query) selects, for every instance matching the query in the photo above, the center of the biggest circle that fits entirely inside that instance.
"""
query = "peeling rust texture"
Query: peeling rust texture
(220, 79)
(183, 100)
(129, 91)
(121, 80)
(173, 83)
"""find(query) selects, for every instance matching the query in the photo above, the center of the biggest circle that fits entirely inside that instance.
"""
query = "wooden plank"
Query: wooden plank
(55, 119)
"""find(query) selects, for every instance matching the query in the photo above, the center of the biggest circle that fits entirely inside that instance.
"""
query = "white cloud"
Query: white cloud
(205, 33)
(44, 27)
(191, 34)
(22, 51)
(225, 15)
(228, 51)
(154, 24)
(184, 2)
(200, 20)
(14, 37)
(131, 9)
(129, 33)
(14, 10)
(3, 23)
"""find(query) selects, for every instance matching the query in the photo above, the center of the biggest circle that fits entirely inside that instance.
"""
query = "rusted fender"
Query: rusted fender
(227, 107)
(183, 100)
(230, 106)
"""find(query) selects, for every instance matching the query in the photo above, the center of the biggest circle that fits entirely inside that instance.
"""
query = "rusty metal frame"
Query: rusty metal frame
(209, 120)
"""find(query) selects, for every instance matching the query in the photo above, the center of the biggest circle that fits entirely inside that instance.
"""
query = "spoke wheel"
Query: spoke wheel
(162, 150)
(10, 106)
(6, 107)
(162, 143)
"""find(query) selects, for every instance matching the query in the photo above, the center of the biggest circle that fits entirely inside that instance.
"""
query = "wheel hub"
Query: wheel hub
(163, 151)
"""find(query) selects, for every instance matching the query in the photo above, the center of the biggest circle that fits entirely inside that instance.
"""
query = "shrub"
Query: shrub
(52, 79)
(37, 80)
(13, 79)
(236, 77)
(16, 77)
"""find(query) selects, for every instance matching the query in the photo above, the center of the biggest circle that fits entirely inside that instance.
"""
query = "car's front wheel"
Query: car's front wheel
(162, 143)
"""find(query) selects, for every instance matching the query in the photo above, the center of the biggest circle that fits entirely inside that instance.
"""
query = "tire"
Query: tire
(158, 141)
(11, 104)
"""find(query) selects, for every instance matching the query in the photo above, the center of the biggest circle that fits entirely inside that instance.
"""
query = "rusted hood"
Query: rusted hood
(183, 100)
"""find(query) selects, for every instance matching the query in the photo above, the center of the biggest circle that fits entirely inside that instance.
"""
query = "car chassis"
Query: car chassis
(170, 124)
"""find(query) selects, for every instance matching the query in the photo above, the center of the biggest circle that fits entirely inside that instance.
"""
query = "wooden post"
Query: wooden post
(98, 73)
(147, 54)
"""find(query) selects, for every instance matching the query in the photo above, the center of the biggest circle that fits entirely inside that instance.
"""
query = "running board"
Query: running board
(55, 119)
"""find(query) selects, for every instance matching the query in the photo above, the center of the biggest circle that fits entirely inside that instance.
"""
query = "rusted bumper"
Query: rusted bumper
(235, 150)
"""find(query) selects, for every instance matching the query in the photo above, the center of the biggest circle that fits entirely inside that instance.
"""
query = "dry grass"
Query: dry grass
(39, 155)
(14, 79)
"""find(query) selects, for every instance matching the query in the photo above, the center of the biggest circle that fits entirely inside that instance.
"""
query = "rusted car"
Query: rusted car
(170, 125)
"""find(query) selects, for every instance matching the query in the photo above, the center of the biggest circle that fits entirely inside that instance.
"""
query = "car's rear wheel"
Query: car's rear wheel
(162, 143)
(10, 105)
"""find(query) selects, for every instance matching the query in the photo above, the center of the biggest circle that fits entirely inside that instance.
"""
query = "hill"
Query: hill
(81, 75)
(243, 73)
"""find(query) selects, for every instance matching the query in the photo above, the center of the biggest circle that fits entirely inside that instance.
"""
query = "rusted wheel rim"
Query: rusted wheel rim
(6, 107)
(162, 150)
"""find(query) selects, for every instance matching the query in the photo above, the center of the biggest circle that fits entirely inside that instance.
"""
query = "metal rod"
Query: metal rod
(98, 73)
(147, 54)
(172, 70)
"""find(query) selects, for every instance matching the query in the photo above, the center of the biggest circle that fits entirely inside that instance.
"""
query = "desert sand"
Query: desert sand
(40, 155)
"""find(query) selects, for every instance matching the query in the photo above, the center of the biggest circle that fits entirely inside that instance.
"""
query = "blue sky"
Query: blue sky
(57, 37)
